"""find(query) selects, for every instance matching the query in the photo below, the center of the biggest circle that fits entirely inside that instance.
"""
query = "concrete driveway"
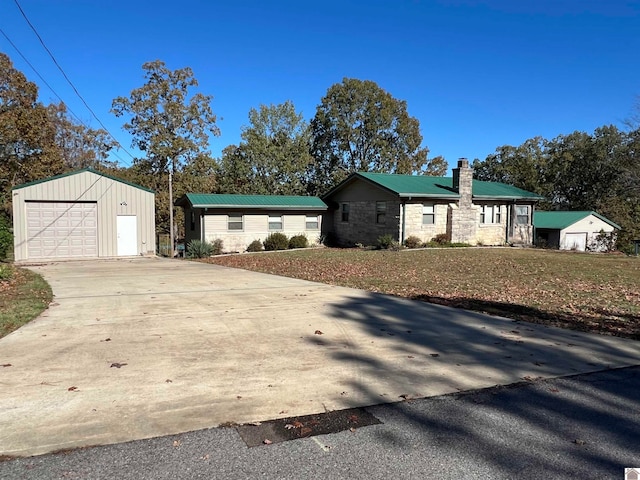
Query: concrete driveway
(139, 348)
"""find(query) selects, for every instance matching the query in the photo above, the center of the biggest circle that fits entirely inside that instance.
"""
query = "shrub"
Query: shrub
(298, 241)
(255, 246)
(200, 249)
(328, 240)
(412, 242)
(6, 237)
(5, 272)
(276, 241)
(440, 239)
(217, 246)
(385, 241)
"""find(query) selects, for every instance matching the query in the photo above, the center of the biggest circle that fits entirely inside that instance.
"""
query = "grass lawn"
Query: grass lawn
(23, 296)
(597, 293)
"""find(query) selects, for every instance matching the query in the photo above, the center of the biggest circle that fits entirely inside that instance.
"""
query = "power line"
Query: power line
(67, 78)
(54, 92)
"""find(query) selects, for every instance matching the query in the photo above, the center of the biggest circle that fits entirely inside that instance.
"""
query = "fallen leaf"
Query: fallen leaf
(72, 389)
(266, 441)
(117, 365)
(577, 441)
(107, 339)
(205, 457)
(305, 431)
(7, 365)
(238, 397)
(554, 390)
(434, 355)
(352, 430)
(168, 380)
(318, 332)
(288, 426)
(410, 356)
(353, 418)
(298, 424)
(177, 443)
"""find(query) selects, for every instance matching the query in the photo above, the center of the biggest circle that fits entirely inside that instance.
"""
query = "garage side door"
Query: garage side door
(62, 230)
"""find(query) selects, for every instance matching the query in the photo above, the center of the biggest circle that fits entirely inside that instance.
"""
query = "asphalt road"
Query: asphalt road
(586, 426)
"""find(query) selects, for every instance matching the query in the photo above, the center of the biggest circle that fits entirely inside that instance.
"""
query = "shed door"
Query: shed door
(62, 230)
(127, 227)
(575, 241)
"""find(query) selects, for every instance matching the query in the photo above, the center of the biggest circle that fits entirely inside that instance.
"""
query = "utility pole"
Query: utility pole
(171, 239)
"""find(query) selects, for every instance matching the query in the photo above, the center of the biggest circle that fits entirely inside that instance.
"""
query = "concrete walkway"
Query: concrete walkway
(138, 348)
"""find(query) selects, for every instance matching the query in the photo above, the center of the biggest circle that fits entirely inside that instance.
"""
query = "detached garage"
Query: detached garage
(82, 214)
(571, 230)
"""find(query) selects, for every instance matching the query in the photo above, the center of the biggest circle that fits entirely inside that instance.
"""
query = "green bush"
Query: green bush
(6, 237)
(385, 242)
(276, 241)
(255, 246)
(6, 272)
(200, 249)
(298, 241)
(412, 242)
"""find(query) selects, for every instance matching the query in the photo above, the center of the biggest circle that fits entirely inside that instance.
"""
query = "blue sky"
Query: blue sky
(476, 74)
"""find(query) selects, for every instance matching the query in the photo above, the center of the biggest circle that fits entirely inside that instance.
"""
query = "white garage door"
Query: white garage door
(576, 241)
(62, 230)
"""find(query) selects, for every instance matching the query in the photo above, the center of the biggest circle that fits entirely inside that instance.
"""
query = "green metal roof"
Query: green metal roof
(75, 172)
(438, 187)
(497, 190)
(270, 202)
(557, 220)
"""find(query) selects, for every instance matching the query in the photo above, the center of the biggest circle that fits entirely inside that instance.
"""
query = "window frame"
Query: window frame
(234, 221)
(316, 222)
(490, 214)
(344, 212)
(381, 212)
(429, 212)
(279, 221)
(519, 215)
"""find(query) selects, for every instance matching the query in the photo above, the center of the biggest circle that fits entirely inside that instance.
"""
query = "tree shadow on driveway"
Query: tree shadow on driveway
(581, 428)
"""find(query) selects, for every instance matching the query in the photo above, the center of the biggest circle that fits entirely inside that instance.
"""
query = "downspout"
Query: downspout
(404, 221)
(202, 224)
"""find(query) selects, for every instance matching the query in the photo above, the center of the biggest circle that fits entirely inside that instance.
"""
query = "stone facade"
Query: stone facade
(489, 221)
(362, 224)
(414, 225)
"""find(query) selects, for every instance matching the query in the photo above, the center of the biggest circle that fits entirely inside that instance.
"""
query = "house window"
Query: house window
(490, 214)
(275, 222)
(344, 211)
(234, 222)
(428, 214)
(192, 221)
(381, 211)
(311, 222)
(522, 214)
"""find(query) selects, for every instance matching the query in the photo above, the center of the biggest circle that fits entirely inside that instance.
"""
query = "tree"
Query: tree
(360, 127)
(436, 167)
(169, 125)
(27, 137)
(523, 166)
(272, 157)
(80, 146)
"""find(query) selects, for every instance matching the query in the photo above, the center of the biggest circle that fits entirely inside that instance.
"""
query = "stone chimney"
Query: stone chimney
(463, 181)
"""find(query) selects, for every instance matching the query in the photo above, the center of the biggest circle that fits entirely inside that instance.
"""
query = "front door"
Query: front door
(127, 228)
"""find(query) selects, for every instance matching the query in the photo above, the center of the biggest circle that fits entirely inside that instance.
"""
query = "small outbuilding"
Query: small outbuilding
(238, 220)
(82, 214)
(567, 230)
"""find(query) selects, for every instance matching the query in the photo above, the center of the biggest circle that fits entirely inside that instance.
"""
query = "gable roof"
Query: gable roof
(563, 219)
(424, 186)
(76, 172)
(263, 202)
